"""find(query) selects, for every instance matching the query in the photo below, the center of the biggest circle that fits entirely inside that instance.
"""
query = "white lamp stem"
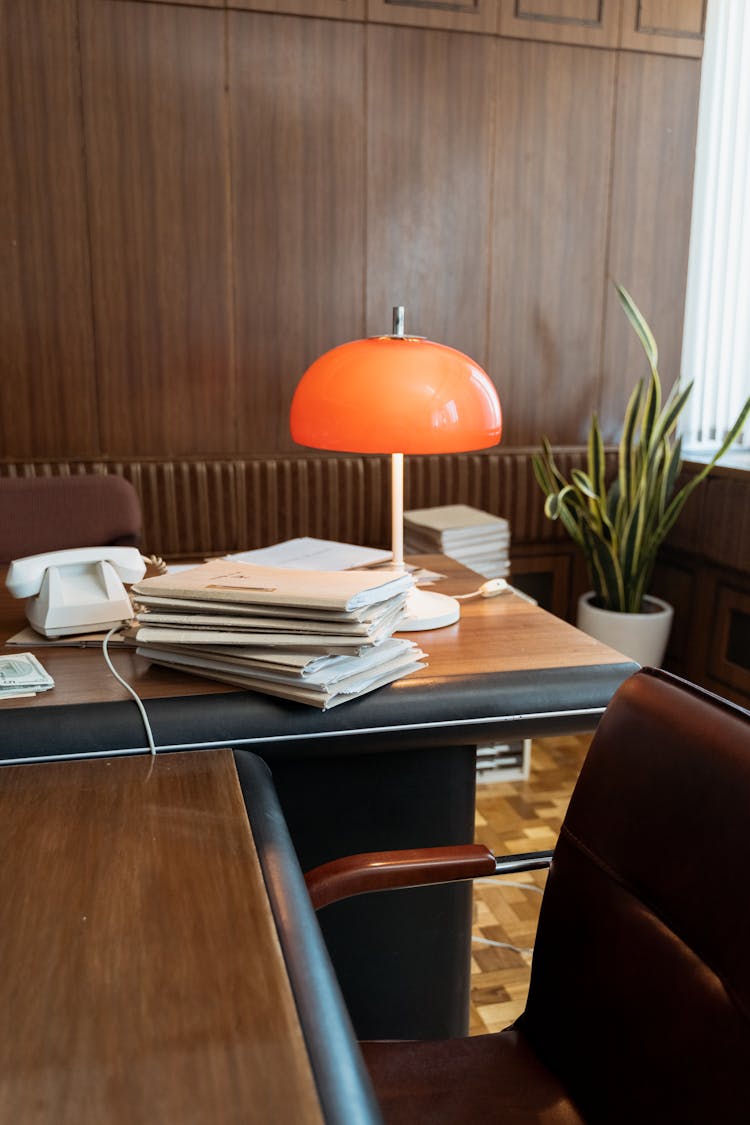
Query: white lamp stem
(397, 508)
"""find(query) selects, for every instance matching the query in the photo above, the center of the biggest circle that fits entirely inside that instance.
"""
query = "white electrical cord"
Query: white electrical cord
(126, 685)
(507, 883)
(491, 589)
(502, 945)
(505, 944)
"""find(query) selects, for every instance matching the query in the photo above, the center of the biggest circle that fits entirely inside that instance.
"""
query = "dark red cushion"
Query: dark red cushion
(39, 514)
(484, 1078)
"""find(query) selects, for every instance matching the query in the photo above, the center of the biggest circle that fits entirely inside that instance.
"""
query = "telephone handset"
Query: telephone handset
(76, 591)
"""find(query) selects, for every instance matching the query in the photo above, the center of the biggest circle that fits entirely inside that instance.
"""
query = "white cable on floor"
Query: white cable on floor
(507, 883)
(501, 945)
(499, 886)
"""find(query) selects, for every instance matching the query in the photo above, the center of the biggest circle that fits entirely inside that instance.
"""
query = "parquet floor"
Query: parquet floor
(516, 817)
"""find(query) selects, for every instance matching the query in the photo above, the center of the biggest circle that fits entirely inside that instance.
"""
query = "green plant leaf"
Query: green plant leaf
(626, 459)
(607, 574)
(650, 412)
(621, 527)
(543, 475)
(672, 466)
(678, 501)
(583, 483)
(596, 460)
(552, 464)
(642, 330)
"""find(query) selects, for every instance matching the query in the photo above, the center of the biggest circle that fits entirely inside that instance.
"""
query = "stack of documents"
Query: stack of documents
(472, 537)
(22, 674)
(319, 637)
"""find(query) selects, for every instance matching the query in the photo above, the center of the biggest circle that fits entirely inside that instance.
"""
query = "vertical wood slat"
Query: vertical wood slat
(156, 142)
(657, 118)
(203, 507)
(429, 183)
(297, 127)
(549, 237)
(47, 389)
(157, 152)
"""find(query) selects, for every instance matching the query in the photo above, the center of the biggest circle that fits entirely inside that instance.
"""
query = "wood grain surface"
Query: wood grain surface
(460, 15)
(297, 121)
(142, 977)
(202, 198)
(654, 141)
(550, 236)
(47, 384)
(153, 80)
(429, 177)
(674, 27)
(335, 9)
(590, 23)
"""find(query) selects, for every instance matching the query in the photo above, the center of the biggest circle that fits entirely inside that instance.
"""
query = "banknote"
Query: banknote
(22, 672)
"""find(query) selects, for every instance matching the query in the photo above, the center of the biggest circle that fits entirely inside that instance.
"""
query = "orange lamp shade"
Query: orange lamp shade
(395, 394)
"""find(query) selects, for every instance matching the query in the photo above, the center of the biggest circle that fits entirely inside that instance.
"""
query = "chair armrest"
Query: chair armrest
(411, 867)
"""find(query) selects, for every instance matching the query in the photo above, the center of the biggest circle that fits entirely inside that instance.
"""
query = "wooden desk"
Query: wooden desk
(143, 969)
(394, 769)
(501, 644)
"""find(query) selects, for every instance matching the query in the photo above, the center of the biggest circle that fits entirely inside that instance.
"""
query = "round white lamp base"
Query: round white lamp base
(427, 610)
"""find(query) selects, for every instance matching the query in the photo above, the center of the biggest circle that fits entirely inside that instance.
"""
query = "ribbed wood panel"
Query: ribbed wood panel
(204, 507)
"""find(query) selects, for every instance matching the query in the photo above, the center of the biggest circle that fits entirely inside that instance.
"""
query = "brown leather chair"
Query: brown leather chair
(639, 1002)
(53, 513)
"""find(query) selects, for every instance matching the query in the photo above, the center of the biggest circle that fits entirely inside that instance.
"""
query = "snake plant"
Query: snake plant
(621, 525)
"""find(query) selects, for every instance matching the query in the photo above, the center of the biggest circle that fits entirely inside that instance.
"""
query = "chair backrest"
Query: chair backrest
(640, 991)
(53, 513)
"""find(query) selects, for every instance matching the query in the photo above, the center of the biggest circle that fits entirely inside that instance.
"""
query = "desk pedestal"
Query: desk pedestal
(403, 957)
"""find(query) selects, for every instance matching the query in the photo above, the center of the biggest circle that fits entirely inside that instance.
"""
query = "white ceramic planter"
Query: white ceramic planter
(641, 636)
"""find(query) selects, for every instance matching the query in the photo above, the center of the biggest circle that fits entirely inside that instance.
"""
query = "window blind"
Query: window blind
(716, 336)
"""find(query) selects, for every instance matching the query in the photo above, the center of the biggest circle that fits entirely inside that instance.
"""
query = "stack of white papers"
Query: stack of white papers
(475, 538)
(320, 637)
(314, 554)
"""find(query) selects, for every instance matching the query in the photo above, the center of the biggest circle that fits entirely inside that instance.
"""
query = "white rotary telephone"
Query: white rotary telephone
(76, 591)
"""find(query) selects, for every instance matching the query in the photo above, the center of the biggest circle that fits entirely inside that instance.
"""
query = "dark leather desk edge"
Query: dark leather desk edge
(344, 1088)
(483, 708)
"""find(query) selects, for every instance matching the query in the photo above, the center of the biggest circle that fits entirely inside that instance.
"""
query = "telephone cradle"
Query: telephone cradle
(76, 591)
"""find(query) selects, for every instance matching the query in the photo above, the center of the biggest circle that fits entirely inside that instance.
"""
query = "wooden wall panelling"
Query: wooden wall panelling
(157, 149)
(189, 3)
(589, 23)
(47, 386)
(552, 170)
(189, 507)
(460, 15)
(671, 27)
(430, 98)
(657, 108)
(727, 499)
(297, 104)
(675, 581)
(544, 575)
(730, 642)
(334, 9)
(341, 498)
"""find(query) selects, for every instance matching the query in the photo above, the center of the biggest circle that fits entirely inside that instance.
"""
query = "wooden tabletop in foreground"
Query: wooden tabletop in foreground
(142, 978)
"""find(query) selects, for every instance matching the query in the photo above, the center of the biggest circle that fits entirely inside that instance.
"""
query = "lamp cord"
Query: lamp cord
(491, 589)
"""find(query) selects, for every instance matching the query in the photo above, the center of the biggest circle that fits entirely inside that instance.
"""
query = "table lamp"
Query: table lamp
(398, 394)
